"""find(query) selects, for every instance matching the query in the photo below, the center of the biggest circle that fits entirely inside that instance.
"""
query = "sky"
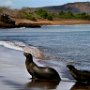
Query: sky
(36, 3)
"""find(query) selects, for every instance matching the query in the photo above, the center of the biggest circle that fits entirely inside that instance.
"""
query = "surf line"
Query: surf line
(23, 47)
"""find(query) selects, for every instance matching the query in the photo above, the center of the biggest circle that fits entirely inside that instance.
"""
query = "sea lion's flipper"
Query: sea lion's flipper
(34, 78)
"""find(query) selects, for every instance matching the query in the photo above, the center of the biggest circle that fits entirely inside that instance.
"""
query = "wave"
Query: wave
(23, 47)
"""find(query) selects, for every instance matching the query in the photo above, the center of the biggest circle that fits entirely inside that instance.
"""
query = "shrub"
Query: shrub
(42, 13)
(29, 16)
(49, 17)
(66, 15)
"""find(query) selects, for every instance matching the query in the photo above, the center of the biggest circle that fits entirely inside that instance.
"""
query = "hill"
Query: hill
(77, 7)
(71, 13)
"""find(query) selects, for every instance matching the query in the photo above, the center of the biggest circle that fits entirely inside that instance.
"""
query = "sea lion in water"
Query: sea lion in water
(37, 72)
(79, 75)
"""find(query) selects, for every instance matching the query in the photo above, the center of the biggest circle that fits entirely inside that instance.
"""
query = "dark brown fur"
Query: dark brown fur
(37, 72)
(80, 76)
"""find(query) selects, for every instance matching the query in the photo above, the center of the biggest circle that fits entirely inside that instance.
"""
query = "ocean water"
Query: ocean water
(60, 45)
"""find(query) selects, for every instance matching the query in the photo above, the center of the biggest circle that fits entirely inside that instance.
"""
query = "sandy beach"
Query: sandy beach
(54, 22)
(39, 22)
(13, 75)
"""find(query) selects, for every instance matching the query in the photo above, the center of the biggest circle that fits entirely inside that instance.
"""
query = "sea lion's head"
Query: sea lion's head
(28, 56)
(70, 66)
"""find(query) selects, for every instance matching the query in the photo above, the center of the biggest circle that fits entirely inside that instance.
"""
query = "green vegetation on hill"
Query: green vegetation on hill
(66, 15)
(70, 15)
(28, 16)
(34, 14)
(44, 14)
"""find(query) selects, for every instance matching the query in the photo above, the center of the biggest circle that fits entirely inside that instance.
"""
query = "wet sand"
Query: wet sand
(14, 76)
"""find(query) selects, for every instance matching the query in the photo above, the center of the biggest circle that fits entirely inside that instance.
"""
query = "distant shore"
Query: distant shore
(54, 22)
(39, 23)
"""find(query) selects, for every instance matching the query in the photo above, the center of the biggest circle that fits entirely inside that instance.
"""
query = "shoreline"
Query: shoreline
(53, 22)
(17, 70)
(23, 80)
(37, 24)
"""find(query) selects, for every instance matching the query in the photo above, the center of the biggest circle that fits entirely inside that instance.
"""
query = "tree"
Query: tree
(66, 15)
(61, 13)
(42, 13)
(49, 17)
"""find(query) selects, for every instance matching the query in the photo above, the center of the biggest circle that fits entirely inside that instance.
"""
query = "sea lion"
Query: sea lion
(37, 72)
(79, 75)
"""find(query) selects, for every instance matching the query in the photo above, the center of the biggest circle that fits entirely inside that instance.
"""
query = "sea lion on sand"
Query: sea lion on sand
(37, 72)
(80, 76)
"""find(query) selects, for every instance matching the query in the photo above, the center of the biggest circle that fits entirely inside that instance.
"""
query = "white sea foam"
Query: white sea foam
(11, 45)
(20, 46)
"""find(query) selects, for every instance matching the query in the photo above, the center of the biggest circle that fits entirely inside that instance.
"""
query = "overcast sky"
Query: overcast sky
(35, 3)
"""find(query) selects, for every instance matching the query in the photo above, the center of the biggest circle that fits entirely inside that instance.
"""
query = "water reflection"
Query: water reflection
(13, 85)
(81, 86)
(65, 85)
(41, 85)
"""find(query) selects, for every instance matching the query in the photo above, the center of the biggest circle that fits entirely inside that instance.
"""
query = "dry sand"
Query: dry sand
(54, 22)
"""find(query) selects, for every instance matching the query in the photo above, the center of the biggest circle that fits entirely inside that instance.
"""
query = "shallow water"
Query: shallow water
(60, 45)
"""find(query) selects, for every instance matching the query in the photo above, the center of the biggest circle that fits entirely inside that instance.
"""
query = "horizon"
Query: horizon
(14, 4)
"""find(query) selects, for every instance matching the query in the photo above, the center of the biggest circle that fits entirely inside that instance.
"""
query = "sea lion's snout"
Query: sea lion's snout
(70, 66)
(28, 55)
